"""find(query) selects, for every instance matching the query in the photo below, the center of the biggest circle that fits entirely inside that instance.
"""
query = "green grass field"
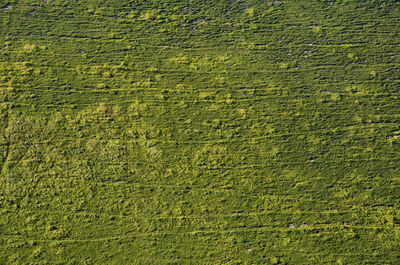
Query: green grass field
(199, 132)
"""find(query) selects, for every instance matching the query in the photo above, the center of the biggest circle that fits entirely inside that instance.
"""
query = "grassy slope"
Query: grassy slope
(233, 132)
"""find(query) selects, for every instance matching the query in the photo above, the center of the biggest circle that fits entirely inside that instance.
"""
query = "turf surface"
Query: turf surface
(209, 132)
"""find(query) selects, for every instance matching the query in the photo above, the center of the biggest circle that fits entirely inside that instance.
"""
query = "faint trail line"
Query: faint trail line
(248, 165)
(195, 217)
(272, 135)
(194, 92)
(273, 68)
(166, 101)
(7, 146)
(272, 162)
(261, 229)
(282, 115)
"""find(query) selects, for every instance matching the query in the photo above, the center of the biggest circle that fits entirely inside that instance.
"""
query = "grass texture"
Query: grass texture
(199, 132)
